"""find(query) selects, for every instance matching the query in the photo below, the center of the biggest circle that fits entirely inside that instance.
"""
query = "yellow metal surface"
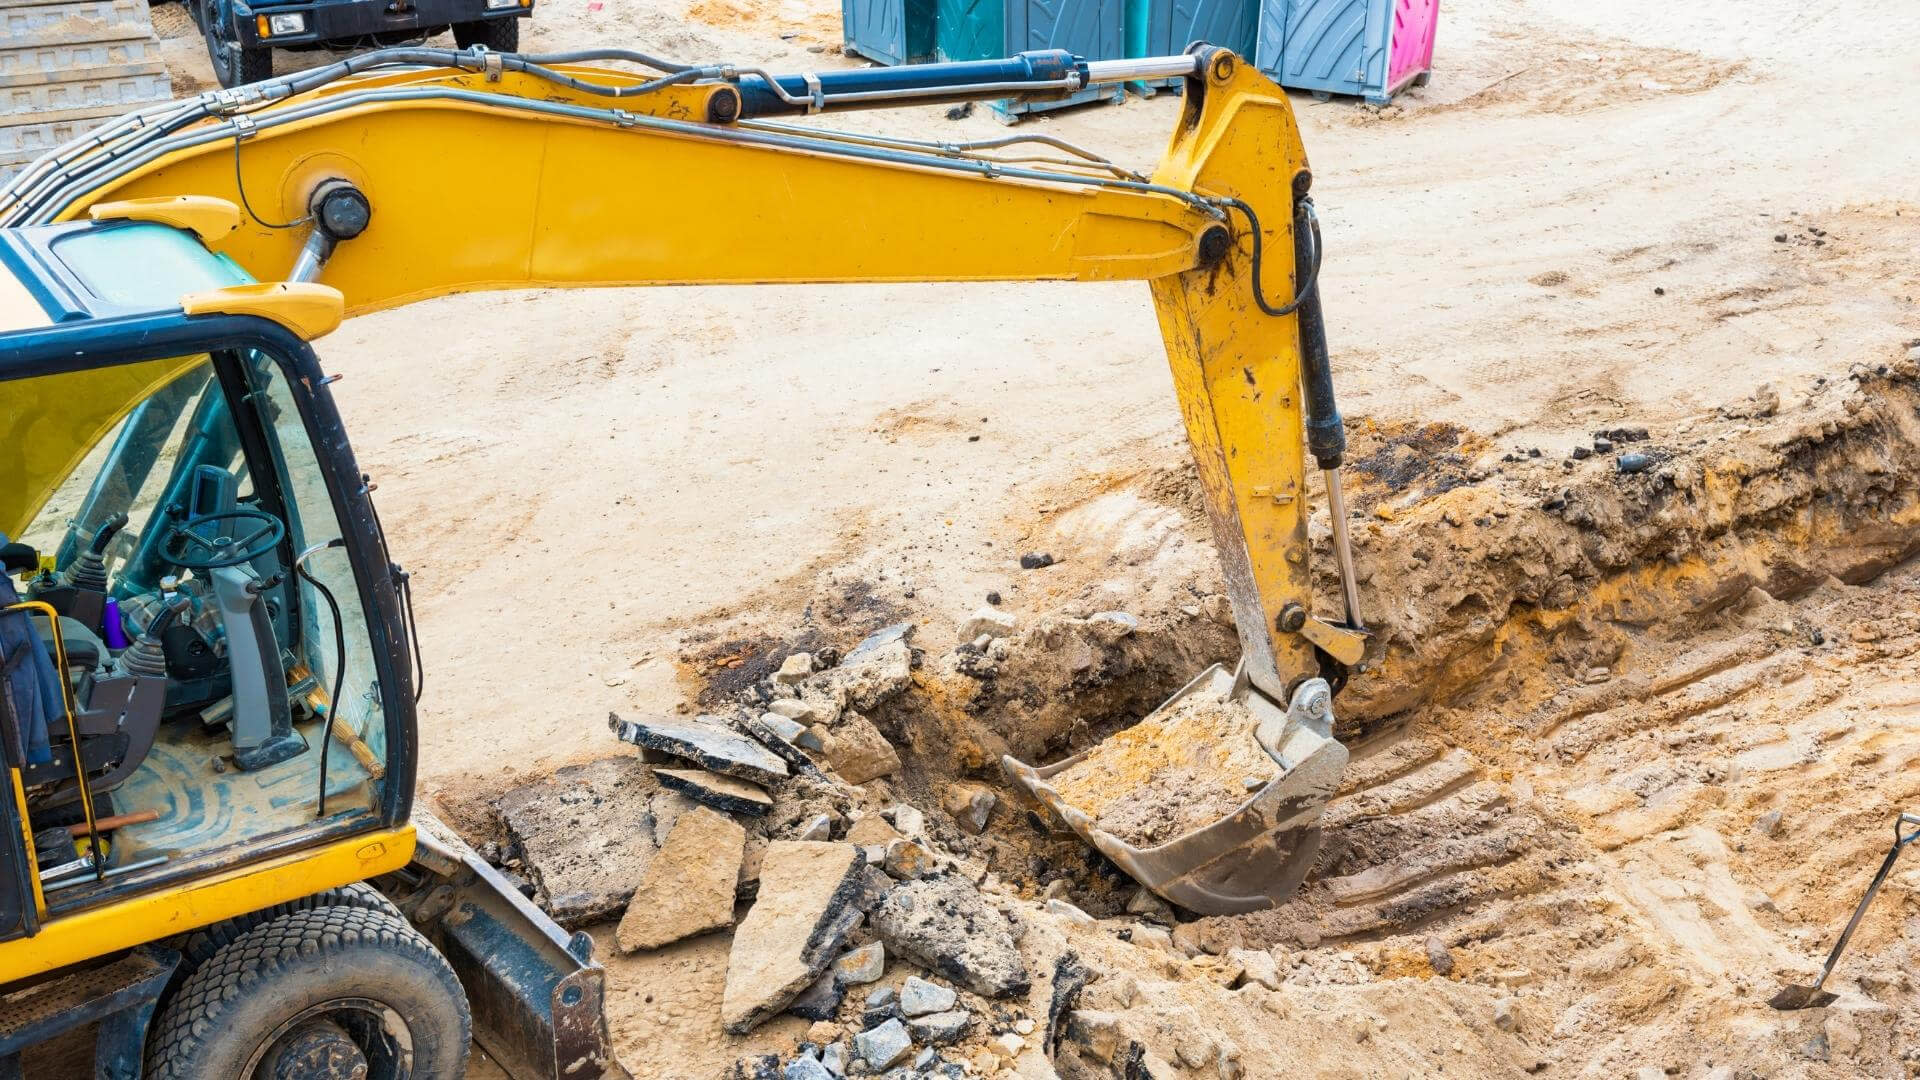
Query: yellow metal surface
(1237, 370)
(26, 831)
(308, 310)
(48, 431)
(136, 920)
(203, 215)
(578, 203)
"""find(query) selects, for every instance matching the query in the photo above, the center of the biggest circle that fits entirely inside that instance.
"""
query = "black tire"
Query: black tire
(253, 64)
(498, 35)
(198, 947)
(325, 962)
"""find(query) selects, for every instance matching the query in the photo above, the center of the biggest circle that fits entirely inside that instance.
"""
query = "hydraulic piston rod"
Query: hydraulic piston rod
(1047, 73)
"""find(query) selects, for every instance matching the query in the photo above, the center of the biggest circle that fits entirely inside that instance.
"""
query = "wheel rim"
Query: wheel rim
(353, 1038)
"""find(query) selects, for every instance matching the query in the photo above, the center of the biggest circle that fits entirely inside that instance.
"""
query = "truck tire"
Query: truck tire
(198, 947)
(232, 66)
(498, 35)
(310, 987)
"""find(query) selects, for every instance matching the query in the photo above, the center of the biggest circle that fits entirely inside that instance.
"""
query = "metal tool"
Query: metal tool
(1813, 997)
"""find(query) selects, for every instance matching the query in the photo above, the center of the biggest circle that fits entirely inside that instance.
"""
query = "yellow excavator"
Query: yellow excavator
(211, 865)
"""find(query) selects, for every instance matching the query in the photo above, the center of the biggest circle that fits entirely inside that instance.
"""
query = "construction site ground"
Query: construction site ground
(1633, 732)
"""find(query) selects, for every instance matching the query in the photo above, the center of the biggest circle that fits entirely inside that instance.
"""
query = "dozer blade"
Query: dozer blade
(1256, 856)
(536, 993)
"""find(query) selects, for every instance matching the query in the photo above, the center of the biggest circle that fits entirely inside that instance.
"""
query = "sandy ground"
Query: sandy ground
(1596, 214)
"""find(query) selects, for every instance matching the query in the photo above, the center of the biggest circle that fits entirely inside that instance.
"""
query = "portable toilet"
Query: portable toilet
(1167, 27)
(1368, 48)
(888, 32)
(990, 29)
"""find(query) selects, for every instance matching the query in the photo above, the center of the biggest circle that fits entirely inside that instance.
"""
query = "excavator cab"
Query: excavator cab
(207, 692)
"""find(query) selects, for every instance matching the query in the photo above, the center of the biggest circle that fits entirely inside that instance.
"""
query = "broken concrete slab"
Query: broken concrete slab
(727, 793)
(704, 741)
(587, 835)
(858, 752)
(806, 907)
(943, 924)
(689, 887)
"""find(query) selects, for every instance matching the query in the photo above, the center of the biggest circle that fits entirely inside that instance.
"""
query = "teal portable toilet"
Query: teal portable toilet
(889, 32)
(1167, 27)
(991, 29)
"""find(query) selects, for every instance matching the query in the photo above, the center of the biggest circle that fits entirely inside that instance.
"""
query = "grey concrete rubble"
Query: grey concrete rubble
(918, 997)
(941, 1028)
(804, 911)
(806, 1068)
(688, 888)
(726, 793)
(880, 1047)
(863, 965)
(770, 735)
(705, 742)
(820, 1000)
(943, 924)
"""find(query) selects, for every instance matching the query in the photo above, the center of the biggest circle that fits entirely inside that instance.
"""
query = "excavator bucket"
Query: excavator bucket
(1134, 797)
(536, 993)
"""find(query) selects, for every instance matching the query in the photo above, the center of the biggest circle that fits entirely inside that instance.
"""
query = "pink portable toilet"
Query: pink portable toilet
(1367, 48)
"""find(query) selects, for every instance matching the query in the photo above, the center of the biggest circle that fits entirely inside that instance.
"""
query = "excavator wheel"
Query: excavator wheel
(327, 992)
(498, 35)
(199, 946)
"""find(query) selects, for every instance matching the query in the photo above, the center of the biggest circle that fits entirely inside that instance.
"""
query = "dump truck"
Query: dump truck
(211, 851)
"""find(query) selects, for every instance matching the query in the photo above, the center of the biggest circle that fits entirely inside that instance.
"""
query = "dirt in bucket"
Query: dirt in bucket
(1172, 773)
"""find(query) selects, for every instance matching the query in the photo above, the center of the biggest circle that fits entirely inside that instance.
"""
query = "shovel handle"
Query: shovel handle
(1900, 841)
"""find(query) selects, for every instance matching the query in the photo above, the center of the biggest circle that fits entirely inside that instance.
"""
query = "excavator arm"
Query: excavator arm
(415, 173)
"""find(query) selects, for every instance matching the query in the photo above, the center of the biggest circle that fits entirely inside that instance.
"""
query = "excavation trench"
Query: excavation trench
(1518, 613)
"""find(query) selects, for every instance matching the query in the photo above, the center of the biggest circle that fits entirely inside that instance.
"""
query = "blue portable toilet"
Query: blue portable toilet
(1167, 27)
(1366, 48)
(888, 32)
(990, 29)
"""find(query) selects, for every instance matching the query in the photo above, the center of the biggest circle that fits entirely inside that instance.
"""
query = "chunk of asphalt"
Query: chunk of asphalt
(588, 834)
(943, 924)
(726, 793)
(769, 735)
(705, 742)
(804, 911)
